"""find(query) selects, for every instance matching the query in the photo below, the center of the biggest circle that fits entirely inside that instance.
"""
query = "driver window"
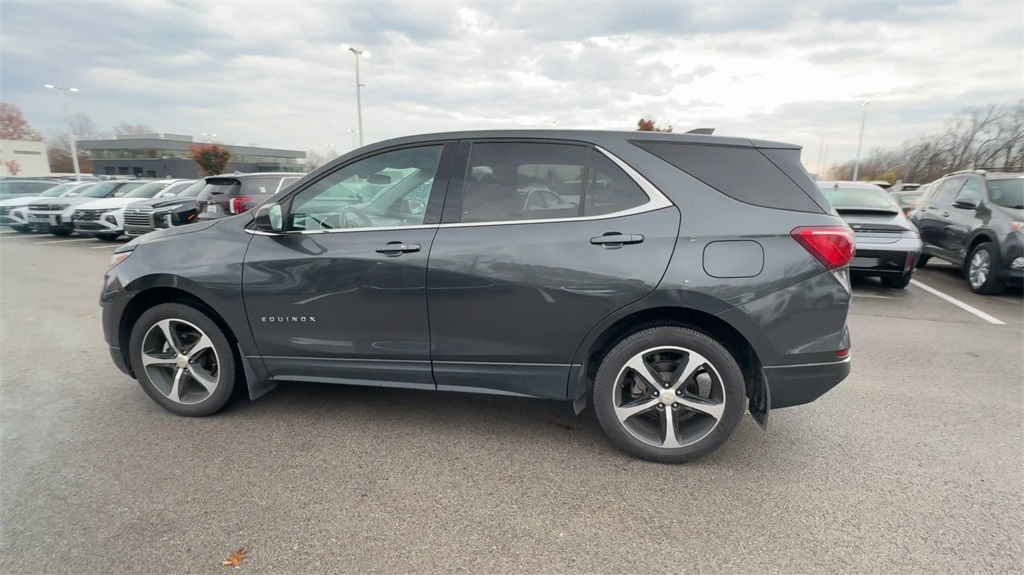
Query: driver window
(386, 190)
(970, 193)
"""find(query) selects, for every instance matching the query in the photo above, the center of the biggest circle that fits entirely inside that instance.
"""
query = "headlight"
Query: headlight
(1017, 226)
(118, 258)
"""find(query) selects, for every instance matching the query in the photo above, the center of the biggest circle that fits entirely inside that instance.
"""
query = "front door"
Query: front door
(340, 295)
(539, 243)
(934, 217)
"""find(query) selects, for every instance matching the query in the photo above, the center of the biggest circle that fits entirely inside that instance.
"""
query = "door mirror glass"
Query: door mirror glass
(270, 218)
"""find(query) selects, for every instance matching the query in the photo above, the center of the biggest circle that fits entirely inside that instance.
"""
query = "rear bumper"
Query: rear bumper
(896, 258)
(790, 385)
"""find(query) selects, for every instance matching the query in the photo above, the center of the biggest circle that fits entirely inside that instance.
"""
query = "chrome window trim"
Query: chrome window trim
(656, 200)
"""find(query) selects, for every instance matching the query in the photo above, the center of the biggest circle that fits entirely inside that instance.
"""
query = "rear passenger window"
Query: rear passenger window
(523, 181)
(520, 181)
(609, 189)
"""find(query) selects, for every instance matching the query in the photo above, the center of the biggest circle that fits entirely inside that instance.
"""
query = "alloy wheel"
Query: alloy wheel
(181, 361)
(979, 269)
(669, 397)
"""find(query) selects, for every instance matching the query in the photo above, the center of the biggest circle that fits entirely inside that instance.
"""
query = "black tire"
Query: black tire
(62, 233)
(922, 260)
(229, 367)
(21, 229)
(897, 282)
(991, 284)
(731, 379)
(108, 237)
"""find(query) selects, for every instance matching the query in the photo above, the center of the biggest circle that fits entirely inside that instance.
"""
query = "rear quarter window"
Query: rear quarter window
(744, 174)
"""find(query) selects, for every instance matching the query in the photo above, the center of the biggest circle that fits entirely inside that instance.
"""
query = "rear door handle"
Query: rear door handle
(616, 240)
(393, 249)
(945, 214)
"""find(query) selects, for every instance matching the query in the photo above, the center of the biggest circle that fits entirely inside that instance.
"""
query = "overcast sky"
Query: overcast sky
(272, 73)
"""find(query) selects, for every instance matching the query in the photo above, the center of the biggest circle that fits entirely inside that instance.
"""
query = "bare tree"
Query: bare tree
(127, 129)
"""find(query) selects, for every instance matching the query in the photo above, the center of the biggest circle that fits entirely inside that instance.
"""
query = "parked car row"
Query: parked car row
(973, 219)
(108, 209)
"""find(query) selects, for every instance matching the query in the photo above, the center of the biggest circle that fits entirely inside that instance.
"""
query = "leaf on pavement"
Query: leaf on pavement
(235, 558)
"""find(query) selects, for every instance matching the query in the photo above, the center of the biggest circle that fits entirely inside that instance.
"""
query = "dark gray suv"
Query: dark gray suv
(674, 280)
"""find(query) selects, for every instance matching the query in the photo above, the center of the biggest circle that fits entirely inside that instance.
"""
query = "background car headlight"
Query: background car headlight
(1017, 226)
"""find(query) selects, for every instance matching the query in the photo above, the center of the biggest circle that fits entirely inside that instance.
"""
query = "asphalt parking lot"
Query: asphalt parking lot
(913, 464)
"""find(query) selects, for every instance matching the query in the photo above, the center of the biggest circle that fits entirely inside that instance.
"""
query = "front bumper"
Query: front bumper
(790, 385)
(103, 223)
(48, 221)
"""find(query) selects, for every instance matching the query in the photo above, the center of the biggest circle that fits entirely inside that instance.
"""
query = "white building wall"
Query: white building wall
(30, 157)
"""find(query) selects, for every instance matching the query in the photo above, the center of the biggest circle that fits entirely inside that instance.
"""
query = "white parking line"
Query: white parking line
(105, 247)
(64, 241)
(873, 296)
(958, 303)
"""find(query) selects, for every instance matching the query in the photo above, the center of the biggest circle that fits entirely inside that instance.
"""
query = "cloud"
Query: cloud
(255, 72)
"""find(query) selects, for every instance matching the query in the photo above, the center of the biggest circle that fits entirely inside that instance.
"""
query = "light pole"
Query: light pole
(67, 120)
(860, 140)
(359, 86)
(354, 132)
(821, 155)
(209, 137)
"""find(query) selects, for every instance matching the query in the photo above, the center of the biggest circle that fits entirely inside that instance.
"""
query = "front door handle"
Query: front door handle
(614, 240)
(394, 249)
(945, 214)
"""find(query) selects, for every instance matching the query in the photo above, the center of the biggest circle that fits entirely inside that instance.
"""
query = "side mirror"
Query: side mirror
(270, 218)
(966, 203)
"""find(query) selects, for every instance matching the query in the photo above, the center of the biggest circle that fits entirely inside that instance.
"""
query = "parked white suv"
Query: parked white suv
(104, 218)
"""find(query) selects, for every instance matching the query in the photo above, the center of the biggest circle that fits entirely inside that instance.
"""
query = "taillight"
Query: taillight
(833, 246)
(237, 205)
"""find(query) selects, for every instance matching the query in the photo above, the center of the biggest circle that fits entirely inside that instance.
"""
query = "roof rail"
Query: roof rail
(703, 131)
(1002, 169)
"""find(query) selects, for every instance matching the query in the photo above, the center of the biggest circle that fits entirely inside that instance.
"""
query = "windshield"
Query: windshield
(101, 190)
(147, 190)
(57, 190)
(192, 190)
(1008, 193)
(859, 198)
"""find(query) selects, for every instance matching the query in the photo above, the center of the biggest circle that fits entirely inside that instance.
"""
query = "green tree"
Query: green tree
(211, 158)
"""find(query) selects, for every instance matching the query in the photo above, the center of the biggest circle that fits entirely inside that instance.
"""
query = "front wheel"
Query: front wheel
(980, 270)
(182, 359)
(21, 229)
(669, 394)
(61, 233)
(108, 237)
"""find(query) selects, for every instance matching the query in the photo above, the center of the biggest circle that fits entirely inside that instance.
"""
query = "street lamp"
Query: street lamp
(860, 140)
(359, 100)
(209, 136)
(354, 132)
(67, 120)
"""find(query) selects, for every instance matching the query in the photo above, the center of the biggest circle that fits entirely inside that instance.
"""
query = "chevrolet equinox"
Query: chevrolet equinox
(676, 281)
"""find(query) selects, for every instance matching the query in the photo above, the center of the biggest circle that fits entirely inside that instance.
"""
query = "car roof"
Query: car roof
(592, 136)
(848, 185)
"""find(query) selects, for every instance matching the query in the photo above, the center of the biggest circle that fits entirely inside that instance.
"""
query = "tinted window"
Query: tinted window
(192, 190)
(523, 181)
(971, 192)
(123, 190)
(609, 189)
(744, 174)
(25, 187)
(385, 190)
(58, 190)
(1007, 193)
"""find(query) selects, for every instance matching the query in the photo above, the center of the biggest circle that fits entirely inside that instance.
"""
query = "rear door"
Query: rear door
(514, 283)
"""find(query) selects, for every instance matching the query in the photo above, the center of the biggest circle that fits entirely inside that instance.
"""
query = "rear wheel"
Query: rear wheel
(669, 394)
(980, 270)
(61, 233)
(108, 237)
(183, 361)
(21, 229)
(897, 282)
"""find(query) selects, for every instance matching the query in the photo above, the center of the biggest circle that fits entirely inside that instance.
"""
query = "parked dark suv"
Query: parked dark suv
(676, 280)
(975, 219)
(233, 194)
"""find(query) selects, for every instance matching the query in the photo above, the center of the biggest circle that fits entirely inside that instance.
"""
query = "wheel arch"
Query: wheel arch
(977, 237)
(613, 330)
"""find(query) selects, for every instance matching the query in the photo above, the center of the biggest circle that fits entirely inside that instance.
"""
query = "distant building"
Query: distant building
(23, 158)
(167, 155)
